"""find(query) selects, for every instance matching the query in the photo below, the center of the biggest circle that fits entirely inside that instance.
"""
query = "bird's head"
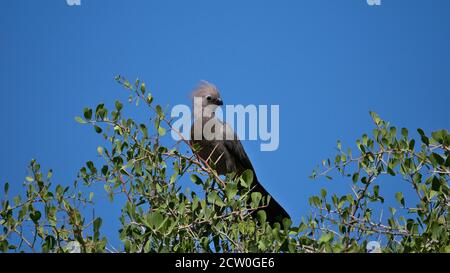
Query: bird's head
(206, 98)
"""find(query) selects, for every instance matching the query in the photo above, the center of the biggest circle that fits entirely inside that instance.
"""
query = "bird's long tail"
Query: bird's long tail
(274, 211)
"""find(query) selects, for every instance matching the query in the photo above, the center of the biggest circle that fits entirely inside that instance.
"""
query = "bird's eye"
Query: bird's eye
(208, 97)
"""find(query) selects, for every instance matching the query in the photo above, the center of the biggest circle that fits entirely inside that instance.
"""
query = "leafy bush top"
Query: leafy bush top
(158, 216)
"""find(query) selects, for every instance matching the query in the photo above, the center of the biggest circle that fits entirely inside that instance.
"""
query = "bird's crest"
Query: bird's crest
(205, 88)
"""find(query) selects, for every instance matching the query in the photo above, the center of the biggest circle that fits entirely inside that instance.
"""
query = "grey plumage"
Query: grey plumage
(221, 145)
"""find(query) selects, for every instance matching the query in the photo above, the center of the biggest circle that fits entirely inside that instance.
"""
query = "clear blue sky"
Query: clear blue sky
(325, 62)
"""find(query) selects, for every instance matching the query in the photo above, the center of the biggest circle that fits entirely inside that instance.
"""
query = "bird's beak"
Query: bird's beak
(219, 101)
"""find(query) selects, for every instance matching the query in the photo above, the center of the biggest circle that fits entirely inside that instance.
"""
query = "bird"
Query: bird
(219, 144)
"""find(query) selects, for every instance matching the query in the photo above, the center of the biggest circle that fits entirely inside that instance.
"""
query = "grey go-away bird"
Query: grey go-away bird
(217, 143)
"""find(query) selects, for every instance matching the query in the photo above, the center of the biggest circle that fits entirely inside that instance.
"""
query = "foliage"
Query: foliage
(158, 215)
(424, 227)
(48, 215)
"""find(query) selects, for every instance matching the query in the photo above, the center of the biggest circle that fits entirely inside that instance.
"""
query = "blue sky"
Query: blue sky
(325, 62)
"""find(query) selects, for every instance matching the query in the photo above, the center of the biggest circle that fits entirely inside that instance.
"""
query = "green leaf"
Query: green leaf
(118, 105)
(100, 111)
(155, 219)
(326, 237)
(392, 210)
(365, 138)
(91, 166)
(87, 112)
(436, 184)
(323, 193)
(161, 131)
(405, 132)
(262, 217)
(375, 117)
(355, 177)
(144, 130)
(214, 198)
(127, 246)
(400, 198)
(246, 178)
(231, 190)
(438, 136)
(376, 190)
(287, 223)
(49, 244)
(390, 171)
(421, 132)
(159, 111)
(29, 179)
(98, 130)
(127, 84)
(149, 98)
(196, 179)
(97, 224)
(143, 88)
(49, 174)
(256, 199)
(423, 137)
(393, 132)
(314, 201)
(80, 120)
(35, 216)
(100, 150)
(412, 142)
(105, 169)
(437, 158)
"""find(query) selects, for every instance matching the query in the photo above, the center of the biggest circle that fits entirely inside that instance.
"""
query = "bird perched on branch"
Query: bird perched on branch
(218, 143)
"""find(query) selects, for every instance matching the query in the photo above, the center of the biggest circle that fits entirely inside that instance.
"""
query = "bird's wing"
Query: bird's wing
(236, 150)
(237, 160)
